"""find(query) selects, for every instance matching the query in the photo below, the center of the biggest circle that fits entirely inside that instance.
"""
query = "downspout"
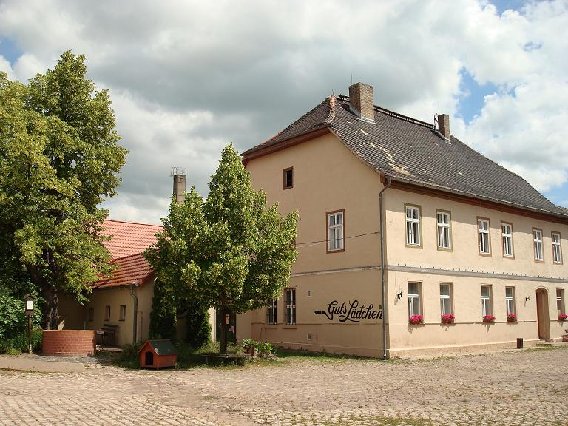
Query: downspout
(133, 292)
(381, 228)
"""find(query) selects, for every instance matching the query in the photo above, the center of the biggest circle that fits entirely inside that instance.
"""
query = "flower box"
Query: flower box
(562, 317)
(448, 318)
(512, 318)
(489, 319)
(416, 319)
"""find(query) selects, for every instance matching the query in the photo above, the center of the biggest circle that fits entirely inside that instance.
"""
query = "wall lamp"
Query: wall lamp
(527, 298)
(399, 295)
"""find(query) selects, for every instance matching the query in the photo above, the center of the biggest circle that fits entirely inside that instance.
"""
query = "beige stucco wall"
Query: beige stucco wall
(116, 296)
(327, 177)
(467, 270)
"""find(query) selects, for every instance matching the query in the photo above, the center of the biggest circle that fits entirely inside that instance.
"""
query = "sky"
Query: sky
(188, 77)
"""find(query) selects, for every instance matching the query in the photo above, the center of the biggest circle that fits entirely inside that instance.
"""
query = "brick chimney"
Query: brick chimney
(444, 125)
(361, 100)
(179, 184)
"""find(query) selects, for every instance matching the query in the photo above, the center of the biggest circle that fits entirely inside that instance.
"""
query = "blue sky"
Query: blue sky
(185, 80)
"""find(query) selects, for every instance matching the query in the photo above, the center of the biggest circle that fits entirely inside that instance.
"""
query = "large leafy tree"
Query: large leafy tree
(229, 251)
(59, 158)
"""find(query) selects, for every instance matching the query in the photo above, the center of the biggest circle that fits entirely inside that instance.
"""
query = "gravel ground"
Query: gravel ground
(514, 388)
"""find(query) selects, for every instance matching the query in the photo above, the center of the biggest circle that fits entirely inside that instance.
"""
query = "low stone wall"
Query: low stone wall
(68, 342)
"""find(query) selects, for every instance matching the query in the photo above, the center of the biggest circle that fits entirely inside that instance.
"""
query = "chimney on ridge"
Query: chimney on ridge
(179, 184)
(444, 125)
(361, 100)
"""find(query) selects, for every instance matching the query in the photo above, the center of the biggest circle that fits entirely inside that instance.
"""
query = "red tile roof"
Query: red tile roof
(133, 269)
(126, 246)
(128, 237)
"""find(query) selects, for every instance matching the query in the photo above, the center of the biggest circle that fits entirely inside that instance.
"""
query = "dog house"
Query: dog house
(157, 354)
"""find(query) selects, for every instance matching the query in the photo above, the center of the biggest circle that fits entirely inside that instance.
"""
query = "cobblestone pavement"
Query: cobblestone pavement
(512, 388)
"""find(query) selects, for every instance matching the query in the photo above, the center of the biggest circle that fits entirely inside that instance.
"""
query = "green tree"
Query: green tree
(230, 251)
(59, 158)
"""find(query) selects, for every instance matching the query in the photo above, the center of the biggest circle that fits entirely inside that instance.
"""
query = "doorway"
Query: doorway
(542, 314)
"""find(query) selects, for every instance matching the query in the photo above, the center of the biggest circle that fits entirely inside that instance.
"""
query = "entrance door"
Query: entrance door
(542, 314)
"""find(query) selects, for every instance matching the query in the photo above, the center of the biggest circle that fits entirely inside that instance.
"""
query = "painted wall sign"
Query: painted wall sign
(351, 311)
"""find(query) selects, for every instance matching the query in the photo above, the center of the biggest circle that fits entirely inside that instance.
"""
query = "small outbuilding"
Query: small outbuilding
(158, 353)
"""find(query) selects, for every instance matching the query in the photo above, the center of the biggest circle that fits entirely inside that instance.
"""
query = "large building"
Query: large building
(408, 239)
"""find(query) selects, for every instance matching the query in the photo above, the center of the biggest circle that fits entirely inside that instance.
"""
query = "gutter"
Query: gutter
(382, 237)
(133, 292)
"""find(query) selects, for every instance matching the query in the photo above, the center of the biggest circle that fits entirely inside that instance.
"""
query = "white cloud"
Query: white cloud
(187, 77)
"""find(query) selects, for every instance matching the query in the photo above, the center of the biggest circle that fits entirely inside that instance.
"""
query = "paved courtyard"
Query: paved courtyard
(511, 388)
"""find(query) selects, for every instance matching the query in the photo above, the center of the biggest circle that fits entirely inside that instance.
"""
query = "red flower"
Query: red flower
(448, 318)
(416, 319)
(511, 318)
(489, 318)
(562, 317)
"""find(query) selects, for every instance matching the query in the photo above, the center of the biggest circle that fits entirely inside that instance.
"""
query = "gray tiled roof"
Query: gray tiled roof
(411, 151)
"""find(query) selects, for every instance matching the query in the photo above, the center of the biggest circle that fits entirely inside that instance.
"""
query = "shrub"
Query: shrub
(254, 348)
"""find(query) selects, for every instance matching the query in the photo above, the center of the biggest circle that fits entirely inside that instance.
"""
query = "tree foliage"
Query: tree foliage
(59, 158)
(229, 251)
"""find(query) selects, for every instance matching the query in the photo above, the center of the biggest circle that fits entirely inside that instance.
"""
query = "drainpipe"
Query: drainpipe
(381, 228)
(133, 292)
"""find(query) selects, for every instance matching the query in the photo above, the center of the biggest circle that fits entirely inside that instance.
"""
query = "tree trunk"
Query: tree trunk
(224, 327)
(50, 307)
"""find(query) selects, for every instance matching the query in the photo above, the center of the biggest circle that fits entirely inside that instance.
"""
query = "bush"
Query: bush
(254, 348)
(19, 343)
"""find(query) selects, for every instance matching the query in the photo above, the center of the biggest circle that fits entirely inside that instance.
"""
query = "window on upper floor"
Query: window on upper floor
(288, 178)
(290, 297)
(537, 244)
(272, 312)
(483, 236)
(335, 231)
(414, 305)
(444, 236)
(556, 247)
(507, 239)
(413, 226)
(486, 301)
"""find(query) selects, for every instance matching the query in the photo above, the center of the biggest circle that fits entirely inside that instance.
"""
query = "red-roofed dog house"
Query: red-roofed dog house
(157, 354)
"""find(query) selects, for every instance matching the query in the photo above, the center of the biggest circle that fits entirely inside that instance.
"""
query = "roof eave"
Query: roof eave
(253, 153)
(463, 196)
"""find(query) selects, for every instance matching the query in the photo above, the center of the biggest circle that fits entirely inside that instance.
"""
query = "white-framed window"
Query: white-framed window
(107, 312)
(486, 302)
(483, 236)
(290, 297)
(122, 313)
(335, 231)
(272, 312)
(446, 299)
(443, 226)
(510, 300)
(556, 247)
(414, 307)
(537, 243)
(560, 307)
(507, 239)
(413, 225)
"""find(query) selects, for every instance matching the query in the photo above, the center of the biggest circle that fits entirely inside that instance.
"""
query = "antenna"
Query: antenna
(435, 121)
(177, 171)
